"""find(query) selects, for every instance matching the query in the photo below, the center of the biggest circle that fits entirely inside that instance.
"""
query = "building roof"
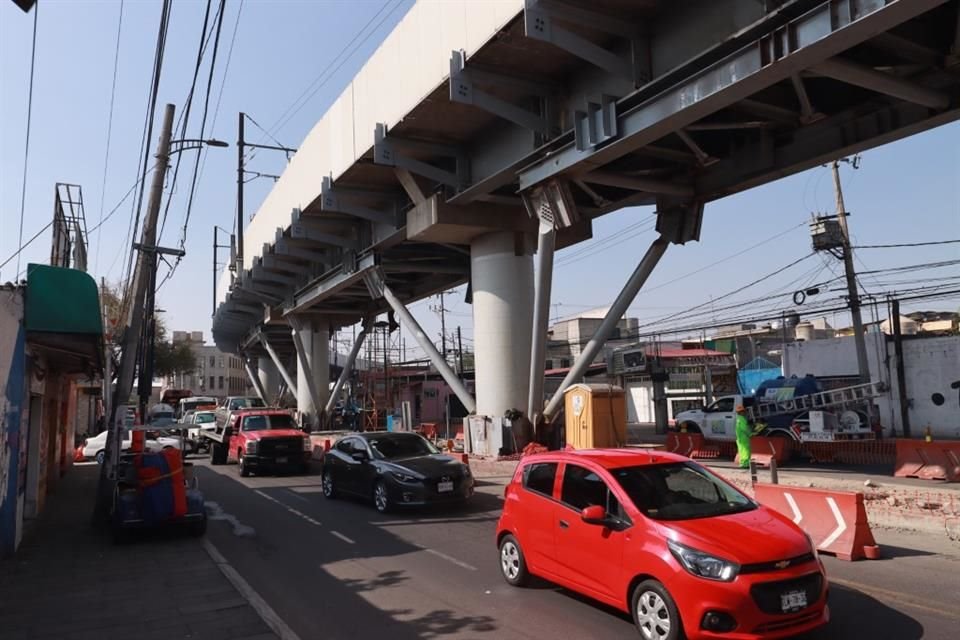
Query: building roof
(673, 352)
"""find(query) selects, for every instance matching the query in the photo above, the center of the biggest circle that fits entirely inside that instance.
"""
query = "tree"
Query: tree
(171, 358)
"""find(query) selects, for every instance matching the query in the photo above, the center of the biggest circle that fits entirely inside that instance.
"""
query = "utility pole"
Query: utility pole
(851, 274)
(443, 327)
(853, 292)
(142, 274)
(901, 373)
(240, 148)
(460, 349)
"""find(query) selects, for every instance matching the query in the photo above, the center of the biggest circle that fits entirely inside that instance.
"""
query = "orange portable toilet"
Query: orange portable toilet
(596, 416)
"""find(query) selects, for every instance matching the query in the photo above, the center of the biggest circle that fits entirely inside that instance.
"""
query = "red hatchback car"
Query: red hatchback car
(663, 538)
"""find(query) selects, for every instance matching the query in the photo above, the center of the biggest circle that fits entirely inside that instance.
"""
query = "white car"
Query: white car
(96, 446)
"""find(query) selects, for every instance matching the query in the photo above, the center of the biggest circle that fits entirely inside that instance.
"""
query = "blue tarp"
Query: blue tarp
(755, 373)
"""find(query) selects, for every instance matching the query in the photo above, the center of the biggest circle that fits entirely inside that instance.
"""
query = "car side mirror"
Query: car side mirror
(594, 514)
(359, 456)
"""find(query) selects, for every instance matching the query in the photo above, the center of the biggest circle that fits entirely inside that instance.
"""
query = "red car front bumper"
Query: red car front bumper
(753, 601)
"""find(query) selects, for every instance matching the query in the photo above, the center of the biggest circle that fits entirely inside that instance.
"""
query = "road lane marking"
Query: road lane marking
(264, 610)
(459, 563)
(216, 512)
(885, 595)
(342, 537)
(290, 509)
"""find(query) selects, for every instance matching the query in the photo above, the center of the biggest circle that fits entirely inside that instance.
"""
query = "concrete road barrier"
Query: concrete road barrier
(836, 520)
(938, 460)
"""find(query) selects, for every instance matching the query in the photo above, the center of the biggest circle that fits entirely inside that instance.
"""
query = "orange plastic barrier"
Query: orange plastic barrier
(928, 460)
(836, 520)
(686, 444)
(764, 449)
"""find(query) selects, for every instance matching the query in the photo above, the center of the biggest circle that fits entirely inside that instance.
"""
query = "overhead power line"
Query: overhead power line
(26, 145)
(184, 120)
(106, 153)
(144, 146)
(905, 244)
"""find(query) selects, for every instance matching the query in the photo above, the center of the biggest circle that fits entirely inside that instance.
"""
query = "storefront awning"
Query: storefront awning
(62, 317)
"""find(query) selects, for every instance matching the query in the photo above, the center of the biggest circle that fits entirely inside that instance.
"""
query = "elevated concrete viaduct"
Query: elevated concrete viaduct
(481, 134)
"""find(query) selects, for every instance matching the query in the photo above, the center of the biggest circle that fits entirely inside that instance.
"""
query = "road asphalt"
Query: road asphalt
(336, 569)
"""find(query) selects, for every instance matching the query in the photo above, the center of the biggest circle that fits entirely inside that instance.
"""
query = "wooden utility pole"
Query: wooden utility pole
(143, 276)
(851, 275)
(853, 292)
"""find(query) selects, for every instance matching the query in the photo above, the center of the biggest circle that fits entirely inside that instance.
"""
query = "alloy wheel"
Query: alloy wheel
(327, 484)
(380, 499)
(653, 616)
(510, 560)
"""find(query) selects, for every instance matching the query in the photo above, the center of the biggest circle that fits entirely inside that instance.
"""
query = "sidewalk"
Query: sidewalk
(69, 582)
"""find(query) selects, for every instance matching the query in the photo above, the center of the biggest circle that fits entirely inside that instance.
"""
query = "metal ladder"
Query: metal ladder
(815, 401)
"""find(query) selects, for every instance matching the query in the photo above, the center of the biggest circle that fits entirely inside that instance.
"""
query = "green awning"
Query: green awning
(62, 315)
(62, 301)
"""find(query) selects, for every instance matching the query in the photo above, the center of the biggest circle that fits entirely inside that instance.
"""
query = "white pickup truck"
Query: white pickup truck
(716, 421)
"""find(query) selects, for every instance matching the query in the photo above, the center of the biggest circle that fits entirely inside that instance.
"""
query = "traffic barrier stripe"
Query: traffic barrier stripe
(928, 460)
(685, 444)
(836, 520)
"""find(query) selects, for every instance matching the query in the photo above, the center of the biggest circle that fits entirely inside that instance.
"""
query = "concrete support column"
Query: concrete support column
(269, 377)
(502, 285)
(313, 365)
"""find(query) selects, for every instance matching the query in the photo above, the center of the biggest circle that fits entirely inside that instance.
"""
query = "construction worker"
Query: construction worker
(743, 437)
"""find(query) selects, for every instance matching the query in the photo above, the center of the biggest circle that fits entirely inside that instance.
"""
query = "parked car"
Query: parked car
(96, 446)
(394, 469)
(263, 440)
(663, 538)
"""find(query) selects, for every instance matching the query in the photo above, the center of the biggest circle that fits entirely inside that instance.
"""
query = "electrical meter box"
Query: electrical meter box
(596, 416)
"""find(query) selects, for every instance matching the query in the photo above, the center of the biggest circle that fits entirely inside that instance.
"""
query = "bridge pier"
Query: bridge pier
(269, 378)
(311, 339)
(502, 286)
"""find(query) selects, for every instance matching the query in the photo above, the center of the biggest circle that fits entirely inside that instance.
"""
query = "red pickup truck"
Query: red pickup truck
(263, 440)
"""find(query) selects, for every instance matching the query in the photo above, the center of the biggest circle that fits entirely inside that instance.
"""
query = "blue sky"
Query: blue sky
(904, 192)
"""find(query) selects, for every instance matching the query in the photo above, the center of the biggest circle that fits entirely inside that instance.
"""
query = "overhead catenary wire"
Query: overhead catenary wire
(106, 153)
(312, 90)
(26, 144)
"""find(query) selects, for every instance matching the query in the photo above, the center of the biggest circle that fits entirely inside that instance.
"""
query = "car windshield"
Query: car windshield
(680, 491)
(203, 418)
(244, 403)
(265, 423)
(401, 446)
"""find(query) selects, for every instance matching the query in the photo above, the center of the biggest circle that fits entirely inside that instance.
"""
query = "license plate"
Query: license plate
(444, 487)
(281, 460)
(793, 600)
